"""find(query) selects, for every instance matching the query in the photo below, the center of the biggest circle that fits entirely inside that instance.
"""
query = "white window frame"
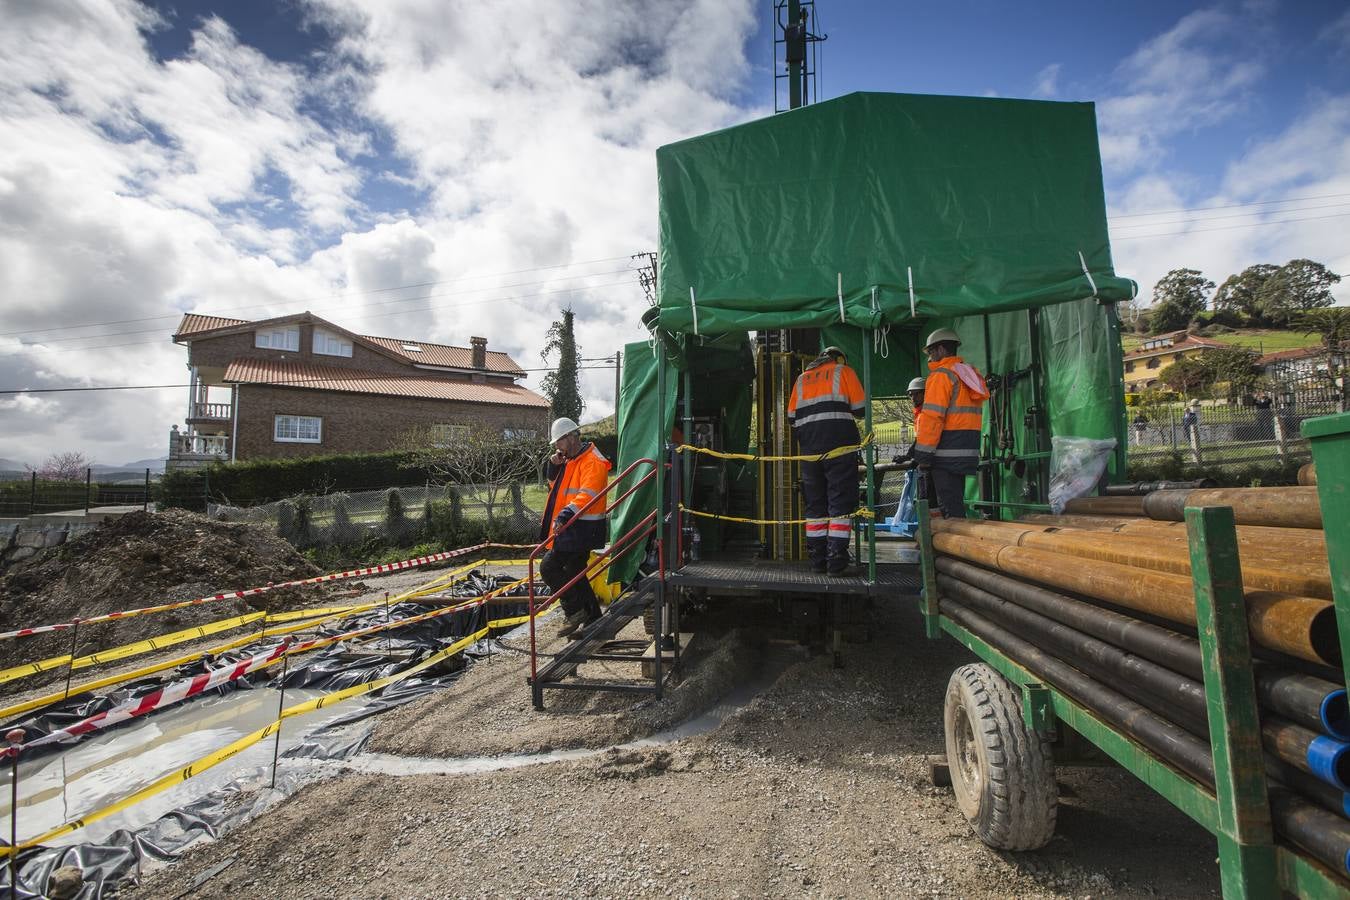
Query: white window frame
(326, 343)
(278, 339)
(443, 434)
(289, 429)
(520, 434)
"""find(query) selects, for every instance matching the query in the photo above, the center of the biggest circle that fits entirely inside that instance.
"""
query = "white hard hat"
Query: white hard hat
(941, 335)
(561, 429)
(915, 385)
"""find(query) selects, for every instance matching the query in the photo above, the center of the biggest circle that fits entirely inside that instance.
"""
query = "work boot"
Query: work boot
(816, 552)
(837, 560)
(587, 619)
(573, 622)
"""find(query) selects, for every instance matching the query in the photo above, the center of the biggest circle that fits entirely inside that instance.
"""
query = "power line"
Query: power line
(339, 295)
(1168, 212)
(1137, 237)
(1236, 216)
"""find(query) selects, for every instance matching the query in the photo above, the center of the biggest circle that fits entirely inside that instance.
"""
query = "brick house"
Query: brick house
(300, 385)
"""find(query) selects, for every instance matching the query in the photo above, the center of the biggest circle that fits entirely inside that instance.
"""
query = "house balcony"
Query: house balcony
(209, 413)
(194, 451)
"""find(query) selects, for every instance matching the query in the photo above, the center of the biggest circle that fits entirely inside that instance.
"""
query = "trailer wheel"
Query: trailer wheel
(1002, 772)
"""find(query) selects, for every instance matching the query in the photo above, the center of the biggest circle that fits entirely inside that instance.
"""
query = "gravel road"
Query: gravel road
(815, 788)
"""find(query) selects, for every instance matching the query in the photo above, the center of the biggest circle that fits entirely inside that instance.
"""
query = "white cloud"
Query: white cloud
(1337, 34)
(1047, 82)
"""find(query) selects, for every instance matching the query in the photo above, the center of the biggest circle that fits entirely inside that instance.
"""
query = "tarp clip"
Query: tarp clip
(881, 332)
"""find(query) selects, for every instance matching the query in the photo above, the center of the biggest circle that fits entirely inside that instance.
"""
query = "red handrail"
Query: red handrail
(648, 524)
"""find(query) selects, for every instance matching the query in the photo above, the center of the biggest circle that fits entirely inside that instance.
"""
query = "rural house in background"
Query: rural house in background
(1142, 366)
(299, 385)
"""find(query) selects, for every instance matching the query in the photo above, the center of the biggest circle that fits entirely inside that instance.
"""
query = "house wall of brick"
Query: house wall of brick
(361, 423)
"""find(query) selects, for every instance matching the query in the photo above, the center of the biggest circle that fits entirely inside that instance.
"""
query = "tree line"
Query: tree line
(1262, 295)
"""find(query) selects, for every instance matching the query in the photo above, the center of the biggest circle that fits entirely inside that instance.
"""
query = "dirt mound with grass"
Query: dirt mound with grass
(145, 559)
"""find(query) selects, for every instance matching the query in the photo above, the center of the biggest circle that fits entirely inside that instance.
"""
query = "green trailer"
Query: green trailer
(865, 222)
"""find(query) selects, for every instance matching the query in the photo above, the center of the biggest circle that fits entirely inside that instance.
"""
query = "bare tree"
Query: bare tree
(481, 457)
(68, 466)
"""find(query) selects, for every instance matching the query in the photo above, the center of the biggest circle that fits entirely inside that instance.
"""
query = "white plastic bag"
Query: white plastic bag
(1076, 465)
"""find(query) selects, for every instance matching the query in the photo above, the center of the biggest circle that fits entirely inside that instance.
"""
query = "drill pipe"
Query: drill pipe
(1312, 702)
(1148, 487)
(1106, 506)
(1303, 627)
(1307, 544)
(1141, 551)
(1307, 474)
(1324, 757)
(1281, 507)
(1324, 835)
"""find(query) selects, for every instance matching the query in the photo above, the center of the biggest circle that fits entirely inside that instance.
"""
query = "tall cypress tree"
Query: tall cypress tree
(562, 386)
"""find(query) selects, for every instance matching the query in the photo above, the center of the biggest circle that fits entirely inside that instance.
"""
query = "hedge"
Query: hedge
(268, 480)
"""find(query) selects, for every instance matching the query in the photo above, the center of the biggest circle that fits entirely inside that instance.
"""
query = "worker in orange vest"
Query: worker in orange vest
(947, 439)
(826, 403)
(577, 472)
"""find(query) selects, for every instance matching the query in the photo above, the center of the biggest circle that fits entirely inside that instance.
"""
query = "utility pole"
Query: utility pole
(618, 380)
(794, 38)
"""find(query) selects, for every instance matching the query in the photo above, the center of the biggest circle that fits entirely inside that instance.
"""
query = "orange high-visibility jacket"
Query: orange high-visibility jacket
(948, 425)
(825, 402)
(570, 487)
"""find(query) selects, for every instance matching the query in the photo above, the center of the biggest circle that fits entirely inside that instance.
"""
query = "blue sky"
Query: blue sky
(438, 169)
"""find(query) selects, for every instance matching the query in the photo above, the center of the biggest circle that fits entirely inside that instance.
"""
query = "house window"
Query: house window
(278, 339)
(520, 434)
(328, 344)
(445, 435)
(1129, 366)
(1154, 362)
(297, 429)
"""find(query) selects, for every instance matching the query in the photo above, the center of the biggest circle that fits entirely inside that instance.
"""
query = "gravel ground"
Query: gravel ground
(817, 788)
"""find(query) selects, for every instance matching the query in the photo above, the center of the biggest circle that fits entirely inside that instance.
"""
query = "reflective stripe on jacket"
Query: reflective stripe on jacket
(570, 487)
(825, 402)
(948, 425)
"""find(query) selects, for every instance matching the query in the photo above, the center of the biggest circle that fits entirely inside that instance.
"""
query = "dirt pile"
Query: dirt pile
(144, 559)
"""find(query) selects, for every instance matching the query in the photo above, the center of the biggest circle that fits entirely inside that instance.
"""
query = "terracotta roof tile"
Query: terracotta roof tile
(193, 323)
(1188, 343)
(1296, 353)
(247, 370)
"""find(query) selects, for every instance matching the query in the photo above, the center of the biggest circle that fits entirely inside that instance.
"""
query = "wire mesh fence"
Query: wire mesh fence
(1223, 436)
(399, 515)
(36, 496)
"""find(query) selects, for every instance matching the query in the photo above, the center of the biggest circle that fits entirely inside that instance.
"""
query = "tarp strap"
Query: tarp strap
(913, 307)
(693, 306)
(1091, 282)
(810, 457)
(856, 514)
(839, 290)
(881, 333)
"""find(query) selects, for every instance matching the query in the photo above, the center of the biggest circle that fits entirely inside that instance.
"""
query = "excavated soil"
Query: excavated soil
(144, 559)
(818, 787)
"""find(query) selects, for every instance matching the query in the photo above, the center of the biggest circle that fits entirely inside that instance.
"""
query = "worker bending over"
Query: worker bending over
(576, 472)
(947, 438)
(826, 403)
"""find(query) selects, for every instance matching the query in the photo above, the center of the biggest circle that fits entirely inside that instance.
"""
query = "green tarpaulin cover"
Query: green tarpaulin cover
(987, 204)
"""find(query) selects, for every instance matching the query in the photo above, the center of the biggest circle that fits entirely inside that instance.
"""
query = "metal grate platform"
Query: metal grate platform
(767, 577)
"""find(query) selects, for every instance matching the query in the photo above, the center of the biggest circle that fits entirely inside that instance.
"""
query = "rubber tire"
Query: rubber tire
(1003, 773)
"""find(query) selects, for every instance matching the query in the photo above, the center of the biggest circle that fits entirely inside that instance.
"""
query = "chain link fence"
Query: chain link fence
(453, 514)
(1223, 436)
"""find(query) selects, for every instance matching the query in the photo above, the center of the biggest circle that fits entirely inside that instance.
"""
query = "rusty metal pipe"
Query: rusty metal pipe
(1307, 475)
(1313, 702)
(1324, 835)
(1281, 507)
(1106, 506)
(1318, 755)
(1303, 627)
(1287, 576)
(1308, 544)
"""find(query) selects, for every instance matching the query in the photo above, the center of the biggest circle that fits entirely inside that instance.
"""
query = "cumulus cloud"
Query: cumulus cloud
(1047, 82)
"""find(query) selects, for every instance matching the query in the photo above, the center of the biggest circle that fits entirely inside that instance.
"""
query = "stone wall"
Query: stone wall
(20, 541)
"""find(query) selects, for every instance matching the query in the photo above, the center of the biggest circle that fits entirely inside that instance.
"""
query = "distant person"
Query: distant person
(1140, 427)
(826, 402)
(1190, 420)
(947, 445)
(1265, 414)
(577, 472)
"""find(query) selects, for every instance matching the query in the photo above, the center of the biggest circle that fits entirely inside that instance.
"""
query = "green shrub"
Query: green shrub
(1177, 468)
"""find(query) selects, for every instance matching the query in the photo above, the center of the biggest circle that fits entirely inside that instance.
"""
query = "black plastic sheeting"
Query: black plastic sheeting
(334, 668)
(121, 855)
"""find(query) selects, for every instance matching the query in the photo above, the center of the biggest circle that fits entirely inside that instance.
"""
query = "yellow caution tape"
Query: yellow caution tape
(812, 457)
(217, 757)
(856, 514)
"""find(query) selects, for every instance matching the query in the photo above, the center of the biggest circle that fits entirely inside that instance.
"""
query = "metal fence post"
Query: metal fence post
(1281, 446)
(32, 495)
(1246, 837)
(145, 503)
(88, 484)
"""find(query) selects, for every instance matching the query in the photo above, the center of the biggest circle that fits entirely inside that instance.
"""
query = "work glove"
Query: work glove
(563, 518)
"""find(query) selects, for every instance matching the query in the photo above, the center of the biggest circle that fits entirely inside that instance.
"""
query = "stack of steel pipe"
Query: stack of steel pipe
(1099, 604)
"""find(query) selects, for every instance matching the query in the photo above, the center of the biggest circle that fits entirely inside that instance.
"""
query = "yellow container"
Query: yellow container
(600, 584)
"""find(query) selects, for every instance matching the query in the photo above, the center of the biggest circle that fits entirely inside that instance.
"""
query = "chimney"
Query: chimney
(479, 352)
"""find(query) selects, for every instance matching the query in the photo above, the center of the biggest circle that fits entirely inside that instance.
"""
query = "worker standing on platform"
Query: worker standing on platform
(576, 472)
(826, 403)
(947, 438)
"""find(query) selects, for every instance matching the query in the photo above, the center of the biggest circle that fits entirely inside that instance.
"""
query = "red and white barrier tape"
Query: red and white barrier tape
(253, 592)
(165, 696)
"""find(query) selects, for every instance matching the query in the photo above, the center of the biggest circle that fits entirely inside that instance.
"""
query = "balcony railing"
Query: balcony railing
(209, 411)
(188, 445)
